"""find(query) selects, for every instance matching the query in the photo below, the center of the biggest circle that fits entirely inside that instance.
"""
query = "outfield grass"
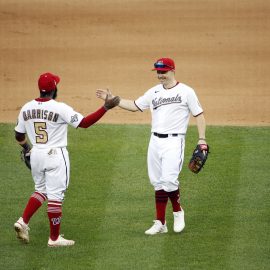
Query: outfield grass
(110, 204)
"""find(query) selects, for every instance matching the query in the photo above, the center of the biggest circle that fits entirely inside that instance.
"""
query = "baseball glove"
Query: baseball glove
(25, 157)
(199, 157)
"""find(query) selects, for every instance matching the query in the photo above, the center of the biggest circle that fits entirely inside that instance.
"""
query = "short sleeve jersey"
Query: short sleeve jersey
(46, 122)
(170, 108)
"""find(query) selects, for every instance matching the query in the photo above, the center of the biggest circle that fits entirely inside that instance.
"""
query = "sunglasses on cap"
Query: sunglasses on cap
(161, 65)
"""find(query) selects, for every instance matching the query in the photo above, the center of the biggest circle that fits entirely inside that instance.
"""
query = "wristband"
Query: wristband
(203, 139)
(26, 147)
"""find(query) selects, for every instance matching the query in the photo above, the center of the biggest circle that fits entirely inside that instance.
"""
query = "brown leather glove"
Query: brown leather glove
(111, 102)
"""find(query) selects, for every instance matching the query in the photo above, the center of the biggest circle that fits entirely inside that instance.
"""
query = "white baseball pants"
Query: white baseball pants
(165, 160)
(50, 171)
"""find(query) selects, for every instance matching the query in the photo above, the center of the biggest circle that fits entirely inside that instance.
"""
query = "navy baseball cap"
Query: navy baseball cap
(164, 64)
(47, 82)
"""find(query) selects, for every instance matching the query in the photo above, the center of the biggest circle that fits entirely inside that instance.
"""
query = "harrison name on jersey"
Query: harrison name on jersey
(40, 114)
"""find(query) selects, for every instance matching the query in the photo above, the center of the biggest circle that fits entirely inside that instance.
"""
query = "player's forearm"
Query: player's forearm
(201, 125)
(92, 118)
(127, 104)
(22, 140)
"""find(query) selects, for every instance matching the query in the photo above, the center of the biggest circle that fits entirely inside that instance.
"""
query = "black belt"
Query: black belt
(166, 135)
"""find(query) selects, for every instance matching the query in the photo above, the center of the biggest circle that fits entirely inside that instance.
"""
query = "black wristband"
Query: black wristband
(203, 139)
(26, 147)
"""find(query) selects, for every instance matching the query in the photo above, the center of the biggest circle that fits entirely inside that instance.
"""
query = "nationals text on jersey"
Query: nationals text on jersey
(40, 114)
(164, 101)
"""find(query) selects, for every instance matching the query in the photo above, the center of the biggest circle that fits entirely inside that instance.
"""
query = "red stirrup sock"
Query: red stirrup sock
(54, 215)
(161, 197)
(175, 200)
(34, 202)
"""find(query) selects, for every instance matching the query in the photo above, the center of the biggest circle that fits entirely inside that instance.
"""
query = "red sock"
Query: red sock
(161, 203)
(34, 202)
(54, 215)
(175, 200)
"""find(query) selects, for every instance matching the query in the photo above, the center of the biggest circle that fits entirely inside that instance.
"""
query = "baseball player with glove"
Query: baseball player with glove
(45, 121)
(171, 103)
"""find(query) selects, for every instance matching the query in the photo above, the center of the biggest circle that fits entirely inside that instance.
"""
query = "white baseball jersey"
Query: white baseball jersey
(170, 108)
(46, 122)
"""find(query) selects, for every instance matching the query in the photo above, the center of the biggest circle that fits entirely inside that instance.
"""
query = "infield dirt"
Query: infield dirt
(221, 49)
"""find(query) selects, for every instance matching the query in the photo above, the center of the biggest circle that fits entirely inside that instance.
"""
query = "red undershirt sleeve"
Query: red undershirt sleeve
(92, 118)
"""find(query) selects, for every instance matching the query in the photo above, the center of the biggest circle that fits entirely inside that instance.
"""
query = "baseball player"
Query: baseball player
(45, 121)
(171, 103)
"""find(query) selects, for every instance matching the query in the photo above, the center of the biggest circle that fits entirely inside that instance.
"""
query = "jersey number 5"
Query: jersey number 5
(40, 129)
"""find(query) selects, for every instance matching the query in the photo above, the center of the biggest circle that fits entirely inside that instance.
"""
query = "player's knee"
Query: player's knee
(41, 188)
(55, 197)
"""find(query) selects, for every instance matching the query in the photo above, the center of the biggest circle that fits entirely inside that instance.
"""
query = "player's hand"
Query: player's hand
(202, 142)
(111, 102)
(103, 94)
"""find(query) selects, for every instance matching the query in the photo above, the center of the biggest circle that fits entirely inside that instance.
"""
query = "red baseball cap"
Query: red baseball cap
(164, 64)
(47, 82)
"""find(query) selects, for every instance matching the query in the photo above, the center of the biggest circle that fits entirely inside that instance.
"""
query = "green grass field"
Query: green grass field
(110, 204)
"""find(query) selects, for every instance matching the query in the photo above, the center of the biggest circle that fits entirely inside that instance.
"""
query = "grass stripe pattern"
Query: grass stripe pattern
(110, 203)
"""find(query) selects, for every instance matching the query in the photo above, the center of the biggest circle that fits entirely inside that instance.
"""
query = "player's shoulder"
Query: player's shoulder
(63, 104)
(28, 105)
(63, 108)
(53, 102)
(185, 88)
(155, 88)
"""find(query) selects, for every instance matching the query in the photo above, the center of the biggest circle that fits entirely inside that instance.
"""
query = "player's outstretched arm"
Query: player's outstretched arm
(125, 104)
(110, 102)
